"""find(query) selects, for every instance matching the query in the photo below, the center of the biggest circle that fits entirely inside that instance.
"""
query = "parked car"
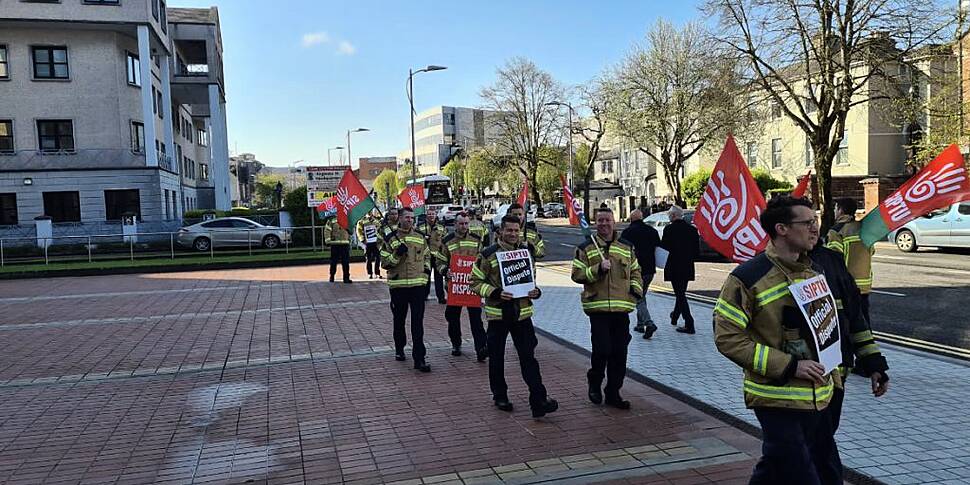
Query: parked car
(448, 213)
(504, 209)
(660, 220)
(231, 231)
(553, 209)
(948, 227)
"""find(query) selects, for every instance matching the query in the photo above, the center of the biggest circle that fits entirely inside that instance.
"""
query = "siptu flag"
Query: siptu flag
(802, 186)
(328, 208)
(524, 193)
(941, 183)
(730, 208)
(412, 197)
(353, 203)
(574, 208)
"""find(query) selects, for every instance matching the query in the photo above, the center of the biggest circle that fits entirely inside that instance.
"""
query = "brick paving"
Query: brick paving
(272, 376)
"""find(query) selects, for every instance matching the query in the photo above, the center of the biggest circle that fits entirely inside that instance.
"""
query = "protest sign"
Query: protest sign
(518, 277)
(814, 298)
(370, 234)
(459, 282)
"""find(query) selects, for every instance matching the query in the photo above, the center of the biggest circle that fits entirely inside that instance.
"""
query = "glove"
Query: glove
(401, 250)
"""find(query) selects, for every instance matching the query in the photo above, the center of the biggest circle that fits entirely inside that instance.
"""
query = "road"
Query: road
(915, 296)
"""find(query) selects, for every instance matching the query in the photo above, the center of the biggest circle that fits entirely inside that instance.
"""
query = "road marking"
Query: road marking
(891, 257)
(890, 293)
(719, 270)
(923, 345)
(567, 245)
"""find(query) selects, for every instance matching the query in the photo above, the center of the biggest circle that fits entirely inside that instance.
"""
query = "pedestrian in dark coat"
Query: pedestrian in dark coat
(681, 240)
(645, 241)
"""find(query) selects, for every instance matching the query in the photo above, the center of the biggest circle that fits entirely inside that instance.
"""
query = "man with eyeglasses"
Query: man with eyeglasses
(758, 326)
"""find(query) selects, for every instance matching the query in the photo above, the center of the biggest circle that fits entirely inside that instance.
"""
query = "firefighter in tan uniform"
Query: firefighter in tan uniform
(338, 239)
(407, 260)
(435, 232)
(844, 238)
(462, 242)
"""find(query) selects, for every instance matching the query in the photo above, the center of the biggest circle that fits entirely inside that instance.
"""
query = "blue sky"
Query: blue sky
(300, 73)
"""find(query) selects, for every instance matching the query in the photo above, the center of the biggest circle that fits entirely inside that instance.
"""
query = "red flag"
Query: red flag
(353, 201)
(941, 183)
(412, 197)
(575, 210)
(730, 208)
(524, 193)
(802, 186)
(329, 207)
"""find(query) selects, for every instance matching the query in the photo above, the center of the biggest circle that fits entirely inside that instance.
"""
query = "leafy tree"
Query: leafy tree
(481, 173)
(387, 179)
(695, 184)
(455, 170)
(266, 189)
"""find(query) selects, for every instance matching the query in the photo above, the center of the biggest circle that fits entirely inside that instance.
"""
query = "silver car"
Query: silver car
(231, 231)
(948, 227)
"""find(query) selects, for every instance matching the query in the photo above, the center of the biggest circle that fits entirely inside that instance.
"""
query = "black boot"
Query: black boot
(549, 406)
(456, 350)
(331, 278)
(399, 356)
(482, 354)
(423, 367)
(648, 331)
(595, 394)
(503, 404)
(617, 402)
(639, 328)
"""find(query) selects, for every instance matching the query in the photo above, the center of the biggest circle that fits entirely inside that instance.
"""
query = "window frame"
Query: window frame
(5, 62)
(133, 69)
(776, 159)
(57, 137)
(109, 209)
(752, 153)
(134, 132)
(111, 3)
(76, 201)
(34, 49)
(13, 208)
(13, 139)
(842, 155)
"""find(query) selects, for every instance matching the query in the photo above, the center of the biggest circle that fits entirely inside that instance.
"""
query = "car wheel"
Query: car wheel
(271, 242)
(202, 244)
(906, 241)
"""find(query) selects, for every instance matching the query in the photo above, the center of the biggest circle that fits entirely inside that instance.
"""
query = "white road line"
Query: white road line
(567, 245)
(719, 270)
(891, 257)
(890, 293)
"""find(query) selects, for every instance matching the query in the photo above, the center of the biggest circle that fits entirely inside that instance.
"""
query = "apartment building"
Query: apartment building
(443, 130)
(108, 109)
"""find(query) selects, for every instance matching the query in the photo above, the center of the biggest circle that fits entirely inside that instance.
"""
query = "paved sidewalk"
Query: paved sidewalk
(918, 433)
(270, 376)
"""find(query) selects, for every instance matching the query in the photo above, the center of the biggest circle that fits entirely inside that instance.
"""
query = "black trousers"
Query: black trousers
(798, 447)
(439, 285)
(401, 300)
(340, 253)
(453, 316)
(524, 338)
(610, 335)
(865, 308)
(681, 307)
(373, 257)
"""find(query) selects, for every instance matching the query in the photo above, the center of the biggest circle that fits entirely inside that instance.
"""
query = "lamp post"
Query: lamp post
(349, 159)
(569, 140)
(411, 73)
(330, 150)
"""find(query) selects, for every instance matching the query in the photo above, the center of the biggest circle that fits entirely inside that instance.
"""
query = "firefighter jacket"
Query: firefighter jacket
(530, 234)
(412, 268)
(613, 291)
(468, 245)
(844, 238)
(479, 229)
(487, 282)
(859, 347)
(384, 231)
(435, 235)
(334, 235)
(759, 327)
(368, 220)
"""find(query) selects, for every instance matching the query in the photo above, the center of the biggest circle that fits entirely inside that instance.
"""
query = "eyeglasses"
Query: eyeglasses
(807, 222)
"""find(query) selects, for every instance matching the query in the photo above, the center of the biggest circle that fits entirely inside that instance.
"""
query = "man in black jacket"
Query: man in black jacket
(681, 240)
(645, 241)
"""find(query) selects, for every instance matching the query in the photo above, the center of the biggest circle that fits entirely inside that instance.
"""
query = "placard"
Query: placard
(459, 282)
(814, 298)
(660, 255)
(370, 234)
(518, 277)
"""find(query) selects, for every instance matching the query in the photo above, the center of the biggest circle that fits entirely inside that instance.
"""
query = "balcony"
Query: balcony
(196, 56)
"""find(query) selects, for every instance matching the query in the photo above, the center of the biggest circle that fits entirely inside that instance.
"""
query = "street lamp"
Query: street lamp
(411, 73)
(349, 159)
(330, 150)
(569, 140)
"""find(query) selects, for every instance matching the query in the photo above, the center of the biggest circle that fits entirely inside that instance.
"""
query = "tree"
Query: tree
(481, 173)
(695, 184)
(388, 179)
(266, 187)
(547, 176)
(674, 94)
(814, 61)
(519, 100)
(404, 173)
(455, 170)
(592, 129)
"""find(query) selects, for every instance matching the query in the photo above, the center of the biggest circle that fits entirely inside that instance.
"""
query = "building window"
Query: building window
(8, 210)
(752, 154)
(776, 153)
(154, 101)
(842, 157)
(203, 137)
(50, 63)
(809, 153)
(164, 20)
(121, 203)
(137, 137)
(134, 70)
(62, 206)
(155, 9)
(158, 100)
(204, 171)
(6, 136)
(56, 135)
(775, 110)
(102, 2)
(4, 69)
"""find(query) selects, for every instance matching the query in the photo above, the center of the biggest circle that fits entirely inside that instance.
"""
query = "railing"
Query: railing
(22, 251)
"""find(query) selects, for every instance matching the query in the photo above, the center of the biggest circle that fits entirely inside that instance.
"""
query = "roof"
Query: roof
(192, 15)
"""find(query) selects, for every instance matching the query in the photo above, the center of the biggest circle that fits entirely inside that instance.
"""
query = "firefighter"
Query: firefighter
(370, 225)
(338, 239)
(844, 238)
(406, 258)
(462, 242)
(530, 233)
(434, 232)
(758, 326)
(477, 227)
(508, 315)
(388, 226)
(608, 269)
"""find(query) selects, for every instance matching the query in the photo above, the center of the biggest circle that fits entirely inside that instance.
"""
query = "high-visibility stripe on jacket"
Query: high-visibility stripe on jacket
(530, 235)
(435, 234)
(759, 327)
(334, 235)
(411, 269)
(487, 282)
(614, 291)
(844, 238)
(467, 245)
(479, 229)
